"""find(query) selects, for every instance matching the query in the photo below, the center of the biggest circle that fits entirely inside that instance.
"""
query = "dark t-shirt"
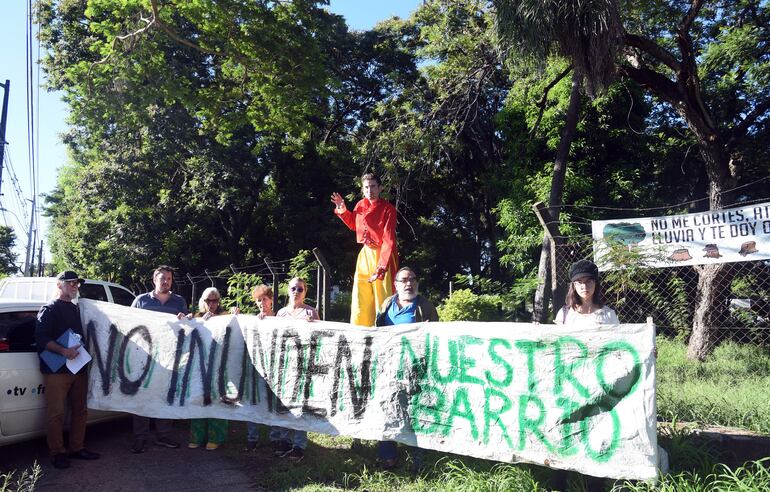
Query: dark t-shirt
(53, 320)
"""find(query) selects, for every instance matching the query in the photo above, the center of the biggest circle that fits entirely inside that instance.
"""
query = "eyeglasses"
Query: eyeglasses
(297, 289)
(209, 301)
(406, 280)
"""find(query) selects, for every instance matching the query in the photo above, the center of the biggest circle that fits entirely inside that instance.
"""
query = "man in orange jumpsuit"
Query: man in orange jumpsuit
(374, 221)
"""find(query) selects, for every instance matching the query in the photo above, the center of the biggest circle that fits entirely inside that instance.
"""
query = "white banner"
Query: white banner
(716, 236)
(565, 397)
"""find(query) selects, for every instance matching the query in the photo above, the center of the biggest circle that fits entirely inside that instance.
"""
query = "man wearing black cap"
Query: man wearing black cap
(61, 385)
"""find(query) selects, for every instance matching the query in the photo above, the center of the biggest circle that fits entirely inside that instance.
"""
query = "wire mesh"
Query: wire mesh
(670, 296)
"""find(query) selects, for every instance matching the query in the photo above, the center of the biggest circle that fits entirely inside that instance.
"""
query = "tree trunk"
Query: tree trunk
(543, 292)
(546, 272)
(558, 281)
(711, 303)
(714, 281)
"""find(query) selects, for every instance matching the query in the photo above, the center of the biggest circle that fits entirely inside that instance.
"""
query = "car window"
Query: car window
(17, 331)
(38, 290)
(93, 291)
(122, 296)
(22, 290)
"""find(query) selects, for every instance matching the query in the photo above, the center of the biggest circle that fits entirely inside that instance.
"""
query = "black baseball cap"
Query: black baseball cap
(68, 275)
(583, 268)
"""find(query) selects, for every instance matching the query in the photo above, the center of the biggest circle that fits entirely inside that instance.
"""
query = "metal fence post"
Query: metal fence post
(325, 294)
(237, 298)
(275, 282)
(193, 288)
(206, 271)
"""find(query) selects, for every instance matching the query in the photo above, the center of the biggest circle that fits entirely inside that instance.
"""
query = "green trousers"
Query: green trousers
(203, 431)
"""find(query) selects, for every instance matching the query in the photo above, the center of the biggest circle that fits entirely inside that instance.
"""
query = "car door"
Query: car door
(22, 393)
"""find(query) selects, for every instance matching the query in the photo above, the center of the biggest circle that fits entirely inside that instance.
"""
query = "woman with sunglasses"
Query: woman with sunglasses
(286, 444)
(296, 307)
(211, 432)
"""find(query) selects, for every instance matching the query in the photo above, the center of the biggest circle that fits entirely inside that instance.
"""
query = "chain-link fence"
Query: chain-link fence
(670, 295)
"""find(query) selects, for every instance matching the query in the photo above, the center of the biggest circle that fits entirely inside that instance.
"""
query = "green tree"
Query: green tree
(173, 140)
(436, 139)
(7, 256)
(708, 65)
(206, 134)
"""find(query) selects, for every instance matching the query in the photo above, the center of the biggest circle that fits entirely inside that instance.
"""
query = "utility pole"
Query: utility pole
(30, 243)
(7, 87)
(40, 260)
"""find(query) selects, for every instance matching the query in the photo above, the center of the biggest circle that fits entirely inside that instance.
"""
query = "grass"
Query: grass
(331, 465)
(729, 389)
(24, 482)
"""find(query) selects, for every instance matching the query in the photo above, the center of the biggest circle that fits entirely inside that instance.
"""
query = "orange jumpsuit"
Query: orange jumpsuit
(375, 227)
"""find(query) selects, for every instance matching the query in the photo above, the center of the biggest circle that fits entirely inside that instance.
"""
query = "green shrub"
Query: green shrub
(239, 288)
(464, 305)
(304, 266)
(511, 297)
(339, 310)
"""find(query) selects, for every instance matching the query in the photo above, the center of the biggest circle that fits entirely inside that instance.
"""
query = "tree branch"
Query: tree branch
(653, 49)
(658, 84)
(739, 130)
(544, 99)
(173, 35)
(688, 73)
(689, 18)
(148, 23)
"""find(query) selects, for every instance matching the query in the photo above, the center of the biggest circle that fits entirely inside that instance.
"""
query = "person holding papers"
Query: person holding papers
(57, 332)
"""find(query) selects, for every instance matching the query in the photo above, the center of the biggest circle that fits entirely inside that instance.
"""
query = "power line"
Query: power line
(36, 170)
(18, 195)
(32, 141)
(668, 207)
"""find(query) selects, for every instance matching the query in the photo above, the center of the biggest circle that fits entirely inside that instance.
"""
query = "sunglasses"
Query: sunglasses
(73, 283)
(209, 301)
(297, 289)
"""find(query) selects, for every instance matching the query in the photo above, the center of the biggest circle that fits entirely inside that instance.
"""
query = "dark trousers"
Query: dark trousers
(163, 427)
(59, 389)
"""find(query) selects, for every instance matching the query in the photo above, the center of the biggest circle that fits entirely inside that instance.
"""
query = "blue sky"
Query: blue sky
(360, 14)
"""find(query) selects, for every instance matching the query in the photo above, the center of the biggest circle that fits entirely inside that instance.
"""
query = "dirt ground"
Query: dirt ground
(157, 469)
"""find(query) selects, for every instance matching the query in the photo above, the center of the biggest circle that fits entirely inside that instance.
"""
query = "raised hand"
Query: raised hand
(338, 201)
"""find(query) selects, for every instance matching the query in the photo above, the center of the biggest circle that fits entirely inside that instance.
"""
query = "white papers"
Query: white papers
(83, 358)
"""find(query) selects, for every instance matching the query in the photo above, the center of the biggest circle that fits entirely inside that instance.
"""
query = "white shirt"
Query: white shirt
(603, 316)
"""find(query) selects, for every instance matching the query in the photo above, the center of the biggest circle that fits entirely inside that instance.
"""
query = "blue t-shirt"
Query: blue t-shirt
(400, 316)
(174, 305)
